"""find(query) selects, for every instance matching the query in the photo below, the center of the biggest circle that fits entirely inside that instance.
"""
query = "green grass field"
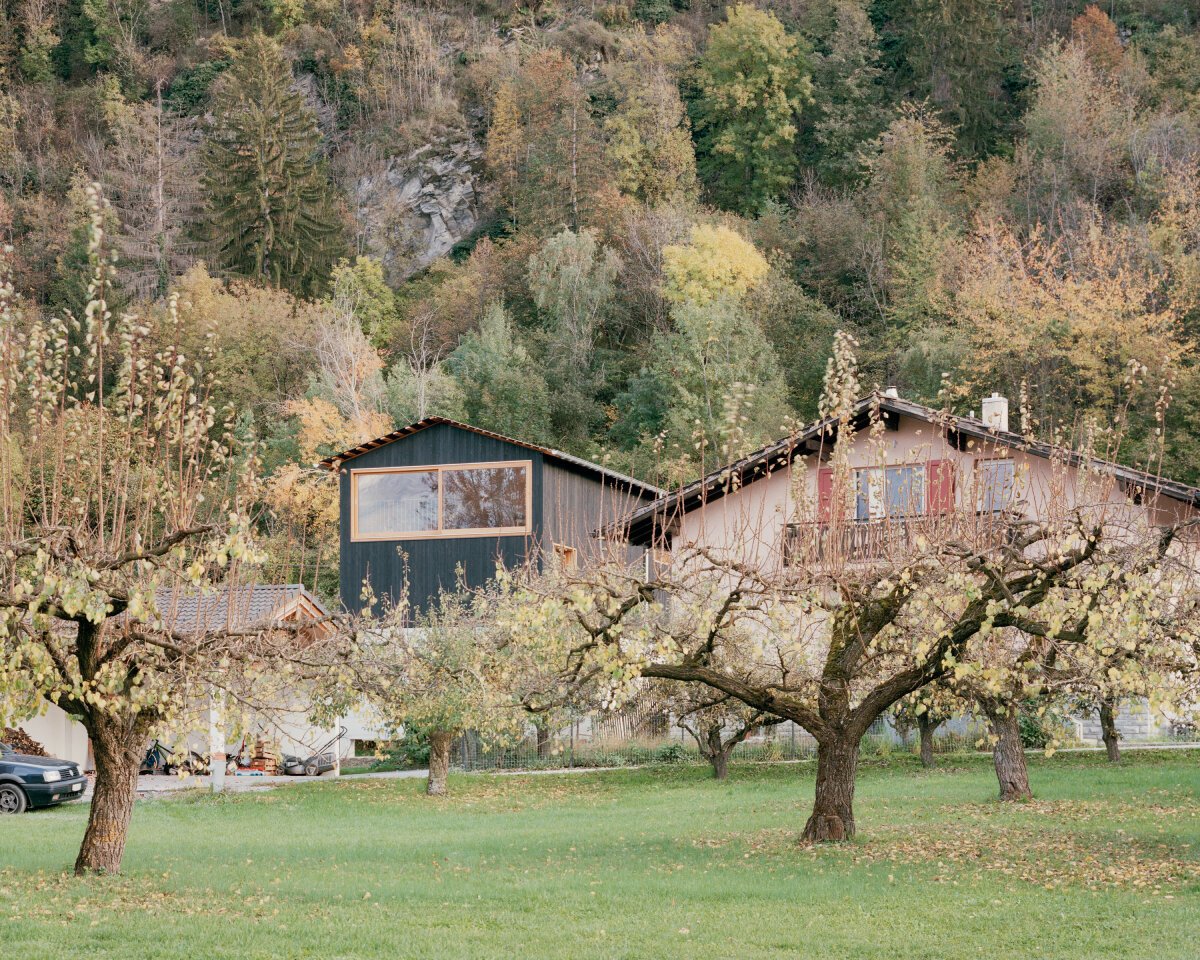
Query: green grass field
(651, 863)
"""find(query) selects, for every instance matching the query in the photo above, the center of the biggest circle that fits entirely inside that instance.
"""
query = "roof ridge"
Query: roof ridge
(790, 446)
(334, 461)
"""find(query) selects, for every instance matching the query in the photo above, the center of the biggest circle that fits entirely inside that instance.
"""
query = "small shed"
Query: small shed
(188, 611)
(439, 499)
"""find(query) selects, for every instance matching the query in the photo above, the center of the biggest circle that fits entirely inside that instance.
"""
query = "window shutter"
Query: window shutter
(939, 482)
(825, 494)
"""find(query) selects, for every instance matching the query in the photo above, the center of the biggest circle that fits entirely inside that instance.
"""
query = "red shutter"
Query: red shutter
(940, 484)
(825, 494)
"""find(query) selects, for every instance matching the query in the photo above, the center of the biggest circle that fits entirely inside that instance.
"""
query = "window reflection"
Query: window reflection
(397, 502)
(997, 485)
(483, 499)
(889, 492)
(441, 500)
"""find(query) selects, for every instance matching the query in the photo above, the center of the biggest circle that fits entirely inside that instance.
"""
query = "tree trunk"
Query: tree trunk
(1008, 754)
(117, 760)
(439, 763)
(543, 742)
(833, 808)
(1108, 729)
(927, 728)
(717, 753)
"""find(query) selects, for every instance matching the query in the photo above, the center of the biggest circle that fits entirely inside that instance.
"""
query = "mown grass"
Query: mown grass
(648, 863)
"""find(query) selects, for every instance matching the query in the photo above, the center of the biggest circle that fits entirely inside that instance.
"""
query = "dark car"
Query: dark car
(27, 781)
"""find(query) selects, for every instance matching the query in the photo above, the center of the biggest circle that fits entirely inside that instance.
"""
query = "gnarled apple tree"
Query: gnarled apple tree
(123, 498)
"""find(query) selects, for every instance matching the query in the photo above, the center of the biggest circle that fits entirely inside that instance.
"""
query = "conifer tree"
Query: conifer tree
(502, 388)
(544, 152)
(269, 201)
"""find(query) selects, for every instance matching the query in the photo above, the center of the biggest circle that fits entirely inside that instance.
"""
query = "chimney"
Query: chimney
(995, 412)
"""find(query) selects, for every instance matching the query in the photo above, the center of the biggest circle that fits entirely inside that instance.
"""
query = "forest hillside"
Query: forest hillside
(629, 229)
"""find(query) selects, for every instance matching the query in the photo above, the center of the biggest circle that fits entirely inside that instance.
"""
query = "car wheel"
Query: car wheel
(12, 799)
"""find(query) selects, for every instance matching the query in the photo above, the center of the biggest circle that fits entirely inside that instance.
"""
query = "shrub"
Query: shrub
(411, 751)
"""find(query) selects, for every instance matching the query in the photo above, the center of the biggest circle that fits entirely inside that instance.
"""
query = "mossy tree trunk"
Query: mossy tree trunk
(439, 762)
(1108, 730)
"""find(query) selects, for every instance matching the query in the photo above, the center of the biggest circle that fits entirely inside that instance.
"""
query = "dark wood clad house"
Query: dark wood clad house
(429, 498)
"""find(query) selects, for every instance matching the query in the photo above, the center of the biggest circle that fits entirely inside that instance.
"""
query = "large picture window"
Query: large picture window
(458, 500)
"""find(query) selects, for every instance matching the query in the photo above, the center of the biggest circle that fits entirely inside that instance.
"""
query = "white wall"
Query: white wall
(59, 734)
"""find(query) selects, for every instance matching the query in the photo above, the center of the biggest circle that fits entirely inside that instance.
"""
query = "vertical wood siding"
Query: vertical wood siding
(568, 506)
(431, 564)
(576, 505)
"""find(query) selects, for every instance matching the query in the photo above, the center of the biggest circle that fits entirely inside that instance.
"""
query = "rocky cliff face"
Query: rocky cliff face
(414, 209)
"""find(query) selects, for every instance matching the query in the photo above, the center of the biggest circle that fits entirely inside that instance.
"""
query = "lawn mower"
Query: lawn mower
(322, 760)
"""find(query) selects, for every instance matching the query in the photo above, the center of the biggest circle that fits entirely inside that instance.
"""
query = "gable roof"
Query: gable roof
(236, 608)
(640, 526)
(577, 463)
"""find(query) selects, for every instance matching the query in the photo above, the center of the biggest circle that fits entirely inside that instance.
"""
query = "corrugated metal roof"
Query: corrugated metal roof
(640, 525)
(335, 462)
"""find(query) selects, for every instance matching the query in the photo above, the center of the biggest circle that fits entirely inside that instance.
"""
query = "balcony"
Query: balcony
(890, 538)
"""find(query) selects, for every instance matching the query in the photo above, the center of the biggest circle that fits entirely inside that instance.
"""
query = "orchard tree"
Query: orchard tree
(814, 632)
(264, 179)
(122, 495)
(925, 710)
(718, 722)
(1123, 627)
(439, 673)
(753, 84)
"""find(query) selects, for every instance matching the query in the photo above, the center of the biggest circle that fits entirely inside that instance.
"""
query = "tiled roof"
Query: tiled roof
(641, 525)
(237, 608)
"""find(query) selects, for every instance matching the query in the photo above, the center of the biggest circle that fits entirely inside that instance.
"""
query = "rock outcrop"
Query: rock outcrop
(416, 208)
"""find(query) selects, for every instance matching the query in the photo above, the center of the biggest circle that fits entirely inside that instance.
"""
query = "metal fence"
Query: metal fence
(577, 752)
(581, 746)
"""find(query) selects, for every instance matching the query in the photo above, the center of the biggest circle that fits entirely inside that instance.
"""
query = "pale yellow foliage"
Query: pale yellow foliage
(303, 498)
(717, 263)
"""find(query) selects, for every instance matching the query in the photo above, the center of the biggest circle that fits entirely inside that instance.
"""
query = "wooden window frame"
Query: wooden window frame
(441, 533)
(567, 555)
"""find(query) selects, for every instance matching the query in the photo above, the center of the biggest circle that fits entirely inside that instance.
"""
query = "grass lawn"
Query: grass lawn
(650, 863)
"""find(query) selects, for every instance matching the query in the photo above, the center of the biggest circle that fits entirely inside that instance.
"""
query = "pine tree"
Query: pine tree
(960, 55)
(269, 200)
(848, 107)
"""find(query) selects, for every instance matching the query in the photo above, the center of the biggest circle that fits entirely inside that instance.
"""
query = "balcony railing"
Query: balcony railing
(890, 538)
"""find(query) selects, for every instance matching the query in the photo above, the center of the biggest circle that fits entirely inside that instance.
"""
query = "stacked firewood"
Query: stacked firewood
(22, 742)
(265, 758)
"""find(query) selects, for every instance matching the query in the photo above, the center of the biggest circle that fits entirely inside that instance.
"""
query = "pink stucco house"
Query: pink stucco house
(906, 468)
